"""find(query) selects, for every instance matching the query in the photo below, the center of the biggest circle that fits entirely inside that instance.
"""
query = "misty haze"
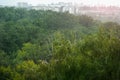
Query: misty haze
(59, 40)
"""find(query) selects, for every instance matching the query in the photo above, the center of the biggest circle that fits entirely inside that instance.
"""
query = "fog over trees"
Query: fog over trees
(48, 45)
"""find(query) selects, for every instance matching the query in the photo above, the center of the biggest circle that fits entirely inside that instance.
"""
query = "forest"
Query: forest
(48, 45)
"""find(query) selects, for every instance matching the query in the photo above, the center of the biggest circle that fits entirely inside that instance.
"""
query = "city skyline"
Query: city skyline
(85, 2)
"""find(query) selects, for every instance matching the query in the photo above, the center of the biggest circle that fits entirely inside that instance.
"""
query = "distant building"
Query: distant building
(23, 5)
(59, 7)
(1, 6)
(77, 9)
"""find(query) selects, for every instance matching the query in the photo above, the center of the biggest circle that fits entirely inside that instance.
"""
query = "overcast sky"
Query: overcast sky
(86, 2)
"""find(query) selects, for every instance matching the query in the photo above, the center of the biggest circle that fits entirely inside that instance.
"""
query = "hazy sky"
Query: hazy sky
(86, 2)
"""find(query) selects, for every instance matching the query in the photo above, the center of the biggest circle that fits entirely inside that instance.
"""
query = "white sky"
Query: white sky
(86, 2)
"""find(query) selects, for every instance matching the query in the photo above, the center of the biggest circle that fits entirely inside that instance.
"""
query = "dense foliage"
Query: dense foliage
(47, 45)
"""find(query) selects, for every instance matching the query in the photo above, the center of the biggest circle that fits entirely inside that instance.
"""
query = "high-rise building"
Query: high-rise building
(23, 5)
